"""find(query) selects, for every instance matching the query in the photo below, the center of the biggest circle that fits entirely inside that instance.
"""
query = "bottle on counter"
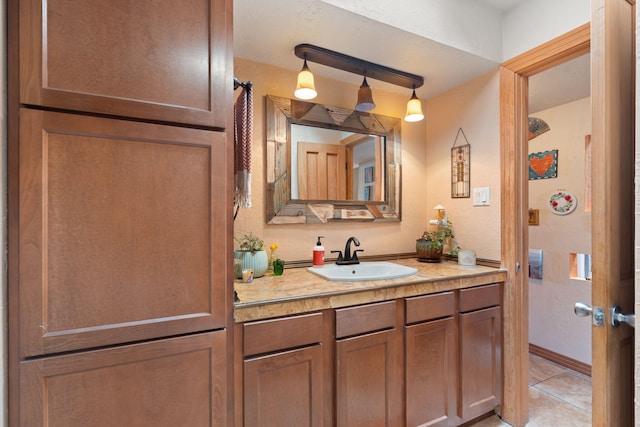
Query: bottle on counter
(318, 253)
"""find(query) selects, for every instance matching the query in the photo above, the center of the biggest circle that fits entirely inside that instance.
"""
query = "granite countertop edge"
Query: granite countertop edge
(300, 291)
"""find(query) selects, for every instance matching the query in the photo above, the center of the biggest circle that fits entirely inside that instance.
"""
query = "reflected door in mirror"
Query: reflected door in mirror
(321, 171)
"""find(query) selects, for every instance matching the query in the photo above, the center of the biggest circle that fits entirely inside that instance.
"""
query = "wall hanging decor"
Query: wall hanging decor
(562, 202)
(460, 165)
(537, 127)
(543, 165)
(534, 217)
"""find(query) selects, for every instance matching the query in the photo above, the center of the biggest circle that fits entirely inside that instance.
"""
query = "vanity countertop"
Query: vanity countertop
(300, 291)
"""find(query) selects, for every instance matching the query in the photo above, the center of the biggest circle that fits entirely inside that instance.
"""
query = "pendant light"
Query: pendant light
(305, 88)
(365, 97)
(414, 109)
(340, 61)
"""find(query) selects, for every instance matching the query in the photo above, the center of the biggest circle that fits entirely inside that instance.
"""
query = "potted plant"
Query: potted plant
(430, 245)
(252, 255)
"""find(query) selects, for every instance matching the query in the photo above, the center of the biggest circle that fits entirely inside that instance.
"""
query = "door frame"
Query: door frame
(514, 88)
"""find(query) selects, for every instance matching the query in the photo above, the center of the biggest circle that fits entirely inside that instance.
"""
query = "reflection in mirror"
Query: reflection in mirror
(328, 163)
(316, 156)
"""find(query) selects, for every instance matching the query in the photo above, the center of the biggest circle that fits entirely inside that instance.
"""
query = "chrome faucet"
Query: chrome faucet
(349, 258)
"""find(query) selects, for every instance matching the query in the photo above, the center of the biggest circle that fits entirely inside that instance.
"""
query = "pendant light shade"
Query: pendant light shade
(365, 97)
(414, 109)
(305, 88)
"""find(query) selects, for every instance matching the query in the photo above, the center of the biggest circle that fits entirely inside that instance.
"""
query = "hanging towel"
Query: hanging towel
(242, 138)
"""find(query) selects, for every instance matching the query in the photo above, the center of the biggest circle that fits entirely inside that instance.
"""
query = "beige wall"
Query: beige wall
(552, 323)
(296, 241)
(426, 150)
(474, 107)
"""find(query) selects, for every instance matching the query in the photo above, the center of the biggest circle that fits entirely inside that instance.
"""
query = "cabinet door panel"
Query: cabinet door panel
(480, 362)
(368, 380)
(166, 383)
(284, 389)
(115, 224)
(150, 59)
(431, 373)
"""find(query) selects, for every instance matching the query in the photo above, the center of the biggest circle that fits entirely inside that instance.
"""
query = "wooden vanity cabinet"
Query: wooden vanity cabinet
(480, 351)
(429, 360)
(369, 365)
(431, 369)
(284, 372)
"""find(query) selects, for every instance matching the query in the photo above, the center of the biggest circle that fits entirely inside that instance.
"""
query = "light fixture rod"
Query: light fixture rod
(354, 65)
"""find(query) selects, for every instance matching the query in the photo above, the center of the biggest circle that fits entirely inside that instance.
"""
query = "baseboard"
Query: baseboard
(561, 360)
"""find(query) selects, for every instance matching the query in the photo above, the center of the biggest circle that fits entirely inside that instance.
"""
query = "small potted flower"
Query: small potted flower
(252, 254)
(430, 245)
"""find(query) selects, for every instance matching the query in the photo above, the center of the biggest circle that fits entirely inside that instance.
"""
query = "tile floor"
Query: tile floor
(558, 397)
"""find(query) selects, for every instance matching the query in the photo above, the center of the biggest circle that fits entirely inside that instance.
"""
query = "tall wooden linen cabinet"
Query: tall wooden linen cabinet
(120, 197)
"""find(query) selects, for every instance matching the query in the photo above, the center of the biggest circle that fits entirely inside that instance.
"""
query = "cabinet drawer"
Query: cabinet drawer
(279, 334)
(480, 297)
(365, 318)
(428, 307)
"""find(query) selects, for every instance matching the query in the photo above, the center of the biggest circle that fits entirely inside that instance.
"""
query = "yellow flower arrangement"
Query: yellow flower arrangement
(272, 254)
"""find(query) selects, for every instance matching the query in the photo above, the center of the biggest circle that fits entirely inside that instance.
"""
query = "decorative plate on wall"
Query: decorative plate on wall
(562, 202)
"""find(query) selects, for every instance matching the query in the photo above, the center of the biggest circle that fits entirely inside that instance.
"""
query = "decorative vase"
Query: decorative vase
(256, 261)
(426, 253)
(278, 267)
(272, 257)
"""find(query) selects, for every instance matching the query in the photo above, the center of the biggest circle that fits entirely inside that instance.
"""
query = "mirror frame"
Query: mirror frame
(281, 113)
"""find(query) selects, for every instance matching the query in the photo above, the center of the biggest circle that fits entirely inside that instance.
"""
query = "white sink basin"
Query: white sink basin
(363, 271)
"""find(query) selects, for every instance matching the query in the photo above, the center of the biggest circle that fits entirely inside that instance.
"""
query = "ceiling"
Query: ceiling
(268, 31)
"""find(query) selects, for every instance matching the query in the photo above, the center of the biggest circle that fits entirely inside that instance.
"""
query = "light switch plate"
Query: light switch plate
(481, 196)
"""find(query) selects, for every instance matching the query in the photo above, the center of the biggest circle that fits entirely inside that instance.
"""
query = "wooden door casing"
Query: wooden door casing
(115, 224)
(514, 165)
(164, 383)
(92, 57)
(609, 37)
(350, 143)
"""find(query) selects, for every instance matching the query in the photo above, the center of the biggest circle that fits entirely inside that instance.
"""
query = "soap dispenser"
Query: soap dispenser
(318, 253)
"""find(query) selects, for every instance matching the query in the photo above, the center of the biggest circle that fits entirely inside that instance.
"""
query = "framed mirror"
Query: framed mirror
(327, 163)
